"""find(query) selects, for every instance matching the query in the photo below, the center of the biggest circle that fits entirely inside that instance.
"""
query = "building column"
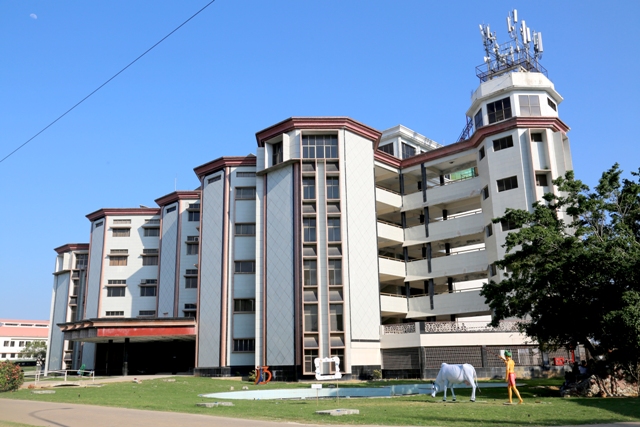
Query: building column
(106, 357)
(431, 292)
(125, 357)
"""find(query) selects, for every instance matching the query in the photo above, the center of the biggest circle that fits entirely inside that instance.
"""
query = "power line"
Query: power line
(105, 83)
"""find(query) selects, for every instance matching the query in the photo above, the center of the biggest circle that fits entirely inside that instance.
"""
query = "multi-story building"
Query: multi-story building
(334, 240)
(15, 335)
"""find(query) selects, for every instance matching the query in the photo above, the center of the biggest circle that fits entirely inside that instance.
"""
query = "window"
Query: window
(499, 110)
(507, 183)
(245, 175)
(245, 267)
(171, 209)
(150, 260)
(477, 119)
(388, 148)
(121, 232)
(310, 318)
(194, 216)
(148, 291)
(13, 344)
(191, 272)
(214, 179)
(489, 230)
(536, 137)
(245, 229)
(308, 188)
(529, 105)
(333, 187)
(333, 229)
(192, 248)
(99, 224)
(151, 232)
(149, 222)
(508, 225)
(277, 154)
(122, 221)
(481, 153)
(502, 143)
(310, 277)
(244, 345)
(114, 313)
(309, 357)
(245, 193)
(335, 272)
(485, 193)
(309, 229)
(21, 344)
(408, 151)
(191, 283)
(146, 313)
(118, 260)
(116, 282)
(244, 305)
(118, 291)
(190, 310)
(336, 318)
(320, 146)
(6, 343)
(541, 180)
(552, 104)
(81, 261)
(493, 270)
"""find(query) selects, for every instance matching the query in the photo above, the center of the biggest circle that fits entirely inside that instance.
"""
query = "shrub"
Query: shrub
(11, 376)
(252, 376)
(377, 374)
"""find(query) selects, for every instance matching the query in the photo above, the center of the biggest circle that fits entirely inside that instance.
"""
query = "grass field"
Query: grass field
(542, 406)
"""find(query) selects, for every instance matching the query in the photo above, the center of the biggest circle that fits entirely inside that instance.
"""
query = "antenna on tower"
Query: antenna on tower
(517, 55)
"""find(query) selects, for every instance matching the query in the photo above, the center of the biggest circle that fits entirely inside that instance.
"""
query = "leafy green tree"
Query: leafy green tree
(573, 268)
(35, 350)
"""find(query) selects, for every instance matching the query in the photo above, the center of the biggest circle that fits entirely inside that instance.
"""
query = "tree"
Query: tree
(576, 281)
(11, 376)
(35, 350)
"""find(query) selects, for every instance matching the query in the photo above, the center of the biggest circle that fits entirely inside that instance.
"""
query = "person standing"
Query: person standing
(511, 376)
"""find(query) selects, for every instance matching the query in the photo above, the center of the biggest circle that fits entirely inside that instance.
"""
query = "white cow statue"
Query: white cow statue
(450, 375)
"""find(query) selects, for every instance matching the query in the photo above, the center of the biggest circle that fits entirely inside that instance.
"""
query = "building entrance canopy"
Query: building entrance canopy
(136, 330)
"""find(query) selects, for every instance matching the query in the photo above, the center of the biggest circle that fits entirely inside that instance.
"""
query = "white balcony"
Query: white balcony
(474, 261)
(461, 225)
(459, 303)
(390, 269)
(436, 334)
(387, 201)
(412, 201)
(453, 191)
(389, 234)
(392, 304)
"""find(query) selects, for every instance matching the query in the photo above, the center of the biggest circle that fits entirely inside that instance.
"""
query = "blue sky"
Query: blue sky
(241, 66)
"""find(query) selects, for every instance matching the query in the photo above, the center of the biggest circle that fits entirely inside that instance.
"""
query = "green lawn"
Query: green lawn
(543, 406)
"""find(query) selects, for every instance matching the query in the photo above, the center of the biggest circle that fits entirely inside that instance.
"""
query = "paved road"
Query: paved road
(74, 415)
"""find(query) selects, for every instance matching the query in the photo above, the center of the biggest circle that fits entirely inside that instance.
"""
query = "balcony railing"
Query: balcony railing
(450, 327)
(399, 328)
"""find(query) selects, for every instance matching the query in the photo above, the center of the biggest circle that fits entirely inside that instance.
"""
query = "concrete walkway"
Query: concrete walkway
(74, 415)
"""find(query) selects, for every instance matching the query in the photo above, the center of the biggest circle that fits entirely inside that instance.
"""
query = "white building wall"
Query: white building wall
(96, 258)
(280, 273)
(212, 248)
(167, 279)
(55, 349)
(360, 233)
